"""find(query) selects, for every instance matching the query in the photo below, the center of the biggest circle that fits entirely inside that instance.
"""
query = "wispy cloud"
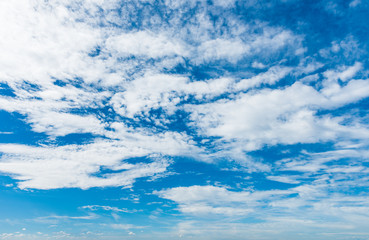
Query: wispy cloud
(107, 208)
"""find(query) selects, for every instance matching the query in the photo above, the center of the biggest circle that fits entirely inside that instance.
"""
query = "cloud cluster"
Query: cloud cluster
(138, 81)
(72, 70)
(98, 164)
(314, 208)
(287, 115)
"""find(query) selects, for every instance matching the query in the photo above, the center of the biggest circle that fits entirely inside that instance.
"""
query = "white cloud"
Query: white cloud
(6, 133)
(203, 193)
(204, 200)
(354, 3)
(56, 218)
(269, 77)
(130, 73)
(277, 228)
(268, 116)
(287, 116)
(204, 209)
(144, 44)
(61, 124)
(125, 226)
(284, 179)
(42, 41)
(48, 116)
(235, 49)
(344, 74)
(52, 41)
(223, 49)
(309, 208)
(347, 49)
(258, 65)
(149, 92)
(106, 208)
(72, 70)
(154, 91)
(314, 162)
(71, 166)
(52, 235)
(224, 3)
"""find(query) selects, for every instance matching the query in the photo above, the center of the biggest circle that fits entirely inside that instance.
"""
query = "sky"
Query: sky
(198, 119)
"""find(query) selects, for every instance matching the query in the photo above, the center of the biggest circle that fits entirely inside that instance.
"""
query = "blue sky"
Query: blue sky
(217, 119)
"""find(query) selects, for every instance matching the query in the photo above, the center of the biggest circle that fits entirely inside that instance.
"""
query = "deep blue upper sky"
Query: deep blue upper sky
(199, 119)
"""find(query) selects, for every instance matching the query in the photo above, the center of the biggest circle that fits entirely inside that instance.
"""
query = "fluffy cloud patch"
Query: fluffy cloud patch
(83, 166)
